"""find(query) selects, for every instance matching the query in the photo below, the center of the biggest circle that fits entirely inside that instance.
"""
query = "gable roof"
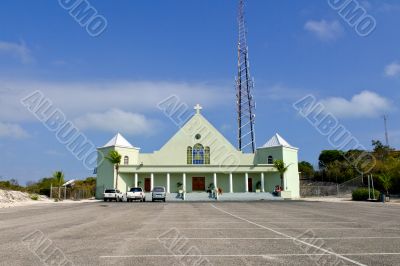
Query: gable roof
(118, 141)
(277, 141)
(197, 125)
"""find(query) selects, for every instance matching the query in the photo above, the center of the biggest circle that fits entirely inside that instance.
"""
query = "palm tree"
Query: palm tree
(386, 181)
(280, 166)
(115, 158)
(59, 178)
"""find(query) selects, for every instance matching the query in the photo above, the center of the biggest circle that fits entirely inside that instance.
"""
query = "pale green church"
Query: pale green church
(196, 158)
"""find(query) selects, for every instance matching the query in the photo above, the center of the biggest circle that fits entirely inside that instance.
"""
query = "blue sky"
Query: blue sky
(153, 49)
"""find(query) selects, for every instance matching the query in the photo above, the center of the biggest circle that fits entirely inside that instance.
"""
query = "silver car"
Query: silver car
(158, 193)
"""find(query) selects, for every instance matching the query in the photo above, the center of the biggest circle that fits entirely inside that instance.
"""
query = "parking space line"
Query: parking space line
(273, 238)
(202, 228)
(282, 228)
(272, 222)
(255, 255)
(293, 238)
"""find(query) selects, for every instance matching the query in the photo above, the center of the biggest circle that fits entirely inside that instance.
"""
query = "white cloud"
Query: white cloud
(392, 70)
(279, 92)
(18, 50)
(324, 30)
(10, 130)
(366, 104)
(116, 120)
(78, 98)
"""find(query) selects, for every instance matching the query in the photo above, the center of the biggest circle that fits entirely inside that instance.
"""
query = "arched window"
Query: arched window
(126, 160)
(198, 154)
(189, 155)
(207, 155)
(270, 160)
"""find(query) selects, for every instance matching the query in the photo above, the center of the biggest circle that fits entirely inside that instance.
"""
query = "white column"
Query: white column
(246, 180)
(136, 179)
(284, 183)
(168, 181)
(230, 183)
(151, 181)
(215, 180)
(262, 182)
(184, 182)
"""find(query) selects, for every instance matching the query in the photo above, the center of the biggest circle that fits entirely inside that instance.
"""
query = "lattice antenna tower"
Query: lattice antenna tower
(244, 86)
(386, 131)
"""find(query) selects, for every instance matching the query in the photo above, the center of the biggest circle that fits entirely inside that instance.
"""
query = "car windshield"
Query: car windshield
(158, 189)
(109, 191)
(136, 189)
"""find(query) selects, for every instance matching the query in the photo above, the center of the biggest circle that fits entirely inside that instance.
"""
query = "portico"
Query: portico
(200, 182)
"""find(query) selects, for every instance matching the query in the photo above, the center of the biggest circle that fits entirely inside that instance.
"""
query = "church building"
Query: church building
(198, 157)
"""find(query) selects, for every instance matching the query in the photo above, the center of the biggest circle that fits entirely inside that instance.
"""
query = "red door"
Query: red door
(147, 184)
(198, 183)
(250, 184)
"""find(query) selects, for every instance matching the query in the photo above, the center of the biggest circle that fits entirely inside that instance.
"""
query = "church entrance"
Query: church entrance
(147, 184)
(250, 184)
(198, 183)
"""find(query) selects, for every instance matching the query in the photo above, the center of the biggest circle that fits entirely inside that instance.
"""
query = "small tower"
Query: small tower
(105, 170)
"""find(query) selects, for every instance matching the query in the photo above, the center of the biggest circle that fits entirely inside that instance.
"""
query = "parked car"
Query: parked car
(135, 193)
(158, 193)
(112, 194)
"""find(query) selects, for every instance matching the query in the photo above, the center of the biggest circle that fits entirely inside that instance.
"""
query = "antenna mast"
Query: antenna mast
(244, 87)
(386, 131)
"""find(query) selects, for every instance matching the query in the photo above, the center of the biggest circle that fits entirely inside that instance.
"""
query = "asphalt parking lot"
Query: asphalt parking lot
(230, 233)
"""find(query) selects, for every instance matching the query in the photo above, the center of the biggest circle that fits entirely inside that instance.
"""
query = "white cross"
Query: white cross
(197, 107)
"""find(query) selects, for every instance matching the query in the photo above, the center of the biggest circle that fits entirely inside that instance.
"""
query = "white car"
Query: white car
(112, 194)
(135, 193)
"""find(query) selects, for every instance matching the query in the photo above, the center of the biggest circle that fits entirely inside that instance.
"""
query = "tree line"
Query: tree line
(339, 166)
(43, 185)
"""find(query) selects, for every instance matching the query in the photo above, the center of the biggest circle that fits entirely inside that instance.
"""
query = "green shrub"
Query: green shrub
(362, 194)
(34, 197)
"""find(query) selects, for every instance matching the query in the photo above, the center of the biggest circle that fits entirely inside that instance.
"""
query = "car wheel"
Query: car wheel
(105, 199)
(164, 199)
(152, 200)
(144, 199)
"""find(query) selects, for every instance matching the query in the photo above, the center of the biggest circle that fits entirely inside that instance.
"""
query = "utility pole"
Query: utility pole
(244, 86)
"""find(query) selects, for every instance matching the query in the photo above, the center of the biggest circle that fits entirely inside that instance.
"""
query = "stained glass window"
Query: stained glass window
(198, 154)
(207, 155)
(189, 155)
